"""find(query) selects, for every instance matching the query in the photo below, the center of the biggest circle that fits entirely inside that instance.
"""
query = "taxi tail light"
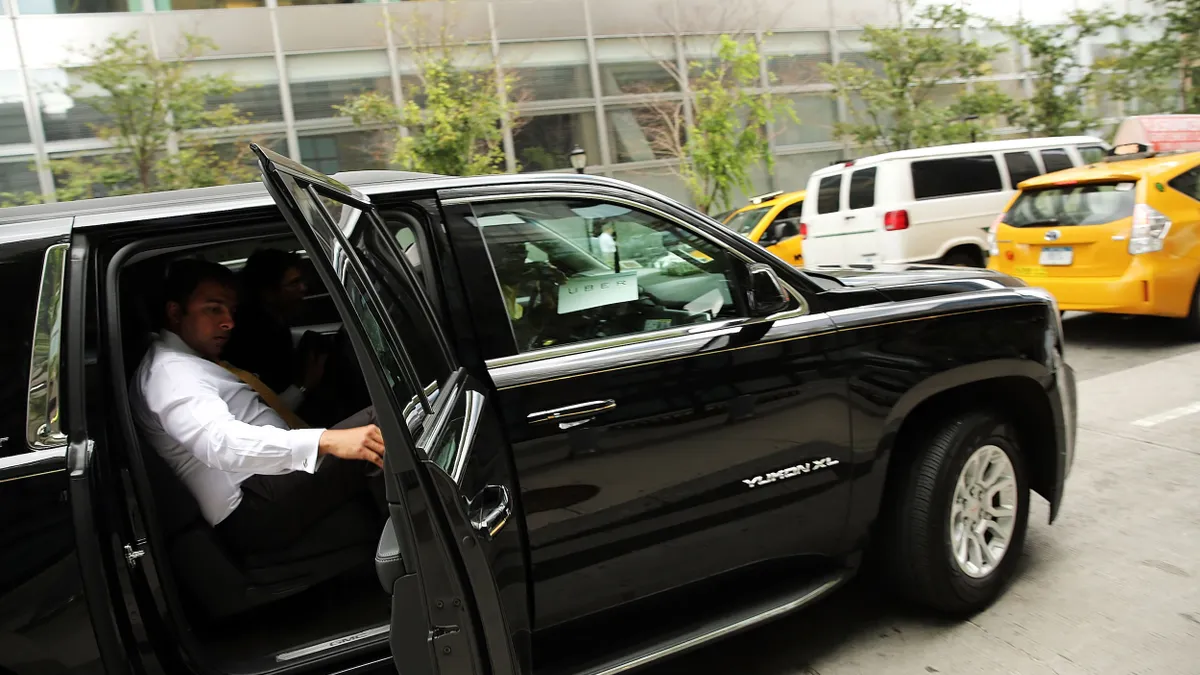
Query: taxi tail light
(1150, 228)
(993, 247)
(895, 220)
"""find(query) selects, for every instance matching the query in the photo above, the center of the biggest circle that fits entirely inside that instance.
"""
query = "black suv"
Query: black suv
(615, 431)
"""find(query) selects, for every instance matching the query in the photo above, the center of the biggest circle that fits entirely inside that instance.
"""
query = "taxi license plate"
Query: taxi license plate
(1056, 255)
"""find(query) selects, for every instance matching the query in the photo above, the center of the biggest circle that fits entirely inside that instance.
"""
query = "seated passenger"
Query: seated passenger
(260, 477)
(534, 324)
(272, 297)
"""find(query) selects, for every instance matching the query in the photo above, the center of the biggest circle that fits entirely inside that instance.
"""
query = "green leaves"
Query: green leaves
(458, 130)
(892, 99)
(728, 135)
(1161, 71)
(148, 102)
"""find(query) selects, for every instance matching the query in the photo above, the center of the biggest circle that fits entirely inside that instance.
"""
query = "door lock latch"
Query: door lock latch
(132, 555)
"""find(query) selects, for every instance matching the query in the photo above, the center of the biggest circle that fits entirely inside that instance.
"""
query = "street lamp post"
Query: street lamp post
(578, 158)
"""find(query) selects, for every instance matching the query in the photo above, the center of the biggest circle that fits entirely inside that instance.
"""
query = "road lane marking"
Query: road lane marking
(1172, 414)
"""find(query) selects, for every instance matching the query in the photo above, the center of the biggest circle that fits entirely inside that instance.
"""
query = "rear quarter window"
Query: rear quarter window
(829, 194)
(1021, 167)
(1056, 159)
(1188, 183)
(954, 176)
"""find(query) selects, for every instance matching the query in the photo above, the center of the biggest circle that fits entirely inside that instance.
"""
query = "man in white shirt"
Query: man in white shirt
(260, 482)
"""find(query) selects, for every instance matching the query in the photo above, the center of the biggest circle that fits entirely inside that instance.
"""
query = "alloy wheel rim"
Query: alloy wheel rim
(983, 514)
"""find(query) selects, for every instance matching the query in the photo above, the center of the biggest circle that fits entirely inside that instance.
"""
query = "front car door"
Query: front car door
(453, 558)
(664, 432)
(785, 228)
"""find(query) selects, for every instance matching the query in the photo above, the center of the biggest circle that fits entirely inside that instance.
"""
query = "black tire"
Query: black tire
(960, 257)
(918, 559)
(1191, 324)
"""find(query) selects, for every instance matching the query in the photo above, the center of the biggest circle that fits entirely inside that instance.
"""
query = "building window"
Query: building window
(640, 134)
(260, 99)
(168, 5)
(794, 59)
(349, 151)
(547, 70)
(816, 113)
(66, 116)
(78, 6)
(544, 142)
(17, 176)
(792, 171)
(13, 126)
(321, 81)
(636, 66)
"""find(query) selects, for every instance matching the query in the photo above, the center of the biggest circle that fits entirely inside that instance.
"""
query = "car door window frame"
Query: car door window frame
(514, 356)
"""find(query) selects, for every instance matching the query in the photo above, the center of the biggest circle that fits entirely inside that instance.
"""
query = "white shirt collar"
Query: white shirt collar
(175, 343)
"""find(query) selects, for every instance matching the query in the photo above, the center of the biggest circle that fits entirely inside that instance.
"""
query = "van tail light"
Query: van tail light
(1150, 228)
(895, 220)
(803, 230)
(993, 246)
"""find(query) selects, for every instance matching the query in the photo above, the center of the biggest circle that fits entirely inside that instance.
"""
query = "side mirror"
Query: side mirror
(767, 293)
(778, 231)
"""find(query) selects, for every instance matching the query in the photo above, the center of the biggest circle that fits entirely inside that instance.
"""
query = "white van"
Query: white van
(928, 204)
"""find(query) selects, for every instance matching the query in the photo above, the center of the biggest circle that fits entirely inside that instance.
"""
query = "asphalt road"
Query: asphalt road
(1112, 588)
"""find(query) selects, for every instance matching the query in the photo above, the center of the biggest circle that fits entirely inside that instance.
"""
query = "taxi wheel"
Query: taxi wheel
(1191, 324)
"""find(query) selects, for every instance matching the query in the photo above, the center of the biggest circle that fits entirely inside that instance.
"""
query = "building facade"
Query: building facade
(584, 71)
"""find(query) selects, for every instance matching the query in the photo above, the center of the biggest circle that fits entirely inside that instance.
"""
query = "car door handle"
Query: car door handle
(589, 409)
(490, 509)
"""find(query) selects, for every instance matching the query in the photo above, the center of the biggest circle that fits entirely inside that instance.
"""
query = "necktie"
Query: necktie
(268, 396)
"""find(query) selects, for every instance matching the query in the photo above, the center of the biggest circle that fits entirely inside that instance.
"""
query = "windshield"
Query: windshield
(745, 221)
(1091, 204)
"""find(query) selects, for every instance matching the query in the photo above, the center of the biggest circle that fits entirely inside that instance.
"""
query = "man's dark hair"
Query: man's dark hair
(264, 270)
(184, 276)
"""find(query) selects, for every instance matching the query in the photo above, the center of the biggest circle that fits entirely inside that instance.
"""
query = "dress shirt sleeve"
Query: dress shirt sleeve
(192, 412)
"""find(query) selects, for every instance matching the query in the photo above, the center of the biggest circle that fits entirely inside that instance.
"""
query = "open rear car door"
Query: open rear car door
(451, 554)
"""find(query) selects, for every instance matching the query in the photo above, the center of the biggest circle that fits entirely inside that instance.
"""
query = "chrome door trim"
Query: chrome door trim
(574, 410)
(30, 464)
(342, 641)
(929, 308)
(43, 420)
(545, 367)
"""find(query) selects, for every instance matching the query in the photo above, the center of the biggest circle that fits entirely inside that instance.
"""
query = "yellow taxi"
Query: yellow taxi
(1120, 236)
(773, 222)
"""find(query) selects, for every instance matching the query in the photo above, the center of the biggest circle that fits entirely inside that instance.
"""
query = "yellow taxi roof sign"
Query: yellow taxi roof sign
(1158, 133)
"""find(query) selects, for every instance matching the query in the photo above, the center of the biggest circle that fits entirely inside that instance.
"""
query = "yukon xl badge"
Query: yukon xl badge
(790, 472)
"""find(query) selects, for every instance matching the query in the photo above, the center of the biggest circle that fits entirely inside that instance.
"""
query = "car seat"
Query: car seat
(209, 575)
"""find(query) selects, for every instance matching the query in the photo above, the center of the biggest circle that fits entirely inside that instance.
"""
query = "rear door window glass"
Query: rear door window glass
(1056, 159)
(829, 194)
(862, 189)
(1020, 167)
(1091, 204)
(791, 211)
(952, 176)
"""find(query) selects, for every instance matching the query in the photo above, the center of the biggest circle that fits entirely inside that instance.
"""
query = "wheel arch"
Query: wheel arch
(1016, 389)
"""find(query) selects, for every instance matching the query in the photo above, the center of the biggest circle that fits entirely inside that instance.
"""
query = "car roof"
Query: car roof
(149, 206)
(1129, 169)
(962, 149)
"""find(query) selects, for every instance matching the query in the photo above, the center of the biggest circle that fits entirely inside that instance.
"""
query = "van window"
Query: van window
(1056, 159)
(829, 193)
(862, 189)
(1090, 204)
(1092, 154)
(951, 176)
(1020, 167)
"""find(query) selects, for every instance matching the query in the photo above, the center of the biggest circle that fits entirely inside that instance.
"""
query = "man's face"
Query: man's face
(206, 321)
(292, 290)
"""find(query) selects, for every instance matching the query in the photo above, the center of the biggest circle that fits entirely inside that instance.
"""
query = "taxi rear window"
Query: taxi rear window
(1088, 204)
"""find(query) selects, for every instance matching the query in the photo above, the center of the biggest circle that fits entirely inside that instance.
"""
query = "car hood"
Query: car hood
(907, 281)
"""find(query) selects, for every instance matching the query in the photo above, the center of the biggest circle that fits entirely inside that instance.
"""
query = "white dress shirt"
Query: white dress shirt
(211, 428)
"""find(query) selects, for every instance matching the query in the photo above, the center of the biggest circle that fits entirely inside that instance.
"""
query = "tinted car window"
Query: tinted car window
(791, 211)
(1056, 160)
(955, 176)
(862, 189)
(1090, 204)
(20, 276)
(1020, 167)
(829, 193)
(1188, 183)
(1092, 154)
(571, 270)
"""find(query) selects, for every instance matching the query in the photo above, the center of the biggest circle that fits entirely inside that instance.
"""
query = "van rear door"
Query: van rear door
(1072, 229)
(861, 222)
(823, 218)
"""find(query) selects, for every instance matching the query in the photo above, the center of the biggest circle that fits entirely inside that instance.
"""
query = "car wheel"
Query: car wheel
(1191, 325)
(962, 258)
(959, 517)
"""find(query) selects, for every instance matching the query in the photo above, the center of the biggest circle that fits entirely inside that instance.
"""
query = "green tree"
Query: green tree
(893, 102)
(1160, 73)
(727, 134)
(146, 102)
(1064, 90)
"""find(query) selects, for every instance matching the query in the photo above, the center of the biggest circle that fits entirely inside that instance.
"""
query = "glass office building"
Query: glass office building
(584, 71)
